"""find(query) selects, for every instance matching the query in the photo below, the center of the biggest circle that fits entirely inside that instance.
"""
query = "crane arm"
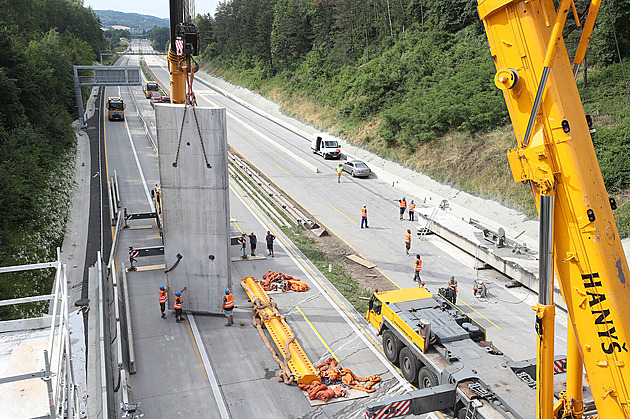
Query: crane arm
(555, 156)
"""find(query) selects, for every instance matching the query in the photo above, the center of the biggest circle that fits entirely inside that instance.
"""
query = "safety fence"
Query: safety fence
(57, 370)
(122, 351)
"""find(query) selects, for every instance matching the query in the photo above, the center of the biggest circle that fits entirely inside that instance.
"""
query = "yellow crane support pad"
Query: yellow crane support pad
(298, 363)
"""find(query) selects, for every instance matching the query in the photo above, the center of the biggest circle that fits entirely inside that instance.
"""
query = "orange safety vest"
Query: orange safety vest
(364, 212)
(403, 203)
(163, 296)
(229, 302)
(407, 237)
(412, 207)
(418, 265)
(453, 282)
(178, 302)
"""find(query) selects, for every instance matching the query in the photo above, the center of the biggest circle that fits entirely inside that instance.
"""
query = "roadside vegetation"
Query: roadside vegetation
(413, 82)
(40, 40)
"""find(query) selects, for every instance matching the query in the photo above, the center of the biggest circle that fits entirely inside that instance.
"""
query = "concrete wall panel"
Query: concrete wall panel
(195, 204)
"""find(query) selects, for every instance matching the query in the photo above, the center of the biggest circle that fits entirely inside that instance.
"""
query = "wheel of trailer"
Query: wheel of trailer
(426, 378)
(409, 364)
(391, 346)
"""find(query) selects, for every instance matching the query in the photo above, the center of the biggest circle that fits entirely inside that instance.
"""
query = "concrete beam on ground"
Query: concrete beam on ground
(194, 183)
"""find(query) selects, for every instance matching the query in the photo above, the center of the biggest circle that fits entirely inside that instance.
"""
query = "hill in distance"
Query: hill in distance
(136, 23)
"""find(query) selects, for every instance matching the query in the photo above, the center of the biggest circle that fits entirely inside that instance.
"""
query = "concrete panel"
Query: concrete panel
(195, 204)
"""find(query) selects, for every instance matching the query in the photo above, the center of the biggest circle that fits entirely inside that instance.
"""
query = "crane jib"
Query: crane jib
(601, 315)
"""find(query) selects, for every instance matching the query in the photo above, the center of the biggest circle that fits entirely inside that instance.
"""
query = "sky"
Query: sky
(158, 8)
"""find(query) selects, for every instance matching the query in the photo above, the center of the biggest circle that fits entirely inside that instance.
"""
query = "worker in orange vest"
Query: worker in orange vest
(412, 210)
(452, 285)
(417, 269)
(339, 171)
(403, 206)
(178, 305)
(163, 298)
(407, 241)
(364, 216)
(228, 306)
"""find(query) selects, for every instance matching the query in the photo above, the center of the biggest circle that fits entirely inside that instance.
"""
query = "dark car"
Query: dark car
(356, 168)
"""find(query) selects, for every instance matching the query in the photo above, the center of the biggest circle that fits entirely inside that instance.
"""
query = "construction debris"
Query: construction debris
(335, 380)
(273, 281)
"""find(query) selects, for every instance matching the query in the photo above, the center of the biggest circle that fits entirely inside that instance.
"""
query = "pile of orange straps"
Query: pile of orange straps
(277, 280)
(331, 370)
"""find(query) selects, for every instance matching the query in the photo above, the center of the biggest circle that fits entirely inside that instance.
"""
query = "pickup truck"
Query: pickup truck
(325, 145)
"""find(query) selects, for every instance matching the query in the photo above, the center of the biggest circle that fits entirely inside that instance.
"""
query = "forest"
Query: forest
(412, 80)
(40, 41)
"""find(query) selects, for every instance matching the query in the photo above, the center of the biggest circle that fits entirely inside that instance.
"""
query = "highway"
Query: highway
(201, 368)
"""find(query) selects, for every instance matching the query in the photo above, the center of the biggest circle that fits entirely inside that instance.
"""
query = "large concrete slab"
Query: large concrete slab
(194, 181)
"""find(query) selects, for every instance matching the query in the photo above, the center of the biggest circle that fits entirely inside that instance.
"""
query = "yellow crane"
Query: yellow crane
(183, 46)
(555, 157)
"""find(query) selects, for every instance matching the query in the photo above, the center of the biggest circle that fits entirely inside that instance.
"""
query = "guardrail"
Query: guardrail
(266, 189)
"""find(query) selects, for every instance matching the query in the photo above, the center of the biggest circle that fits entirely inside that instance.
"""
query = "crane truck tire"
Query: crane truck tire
(391, 346)
(409, 364)
(426, 378)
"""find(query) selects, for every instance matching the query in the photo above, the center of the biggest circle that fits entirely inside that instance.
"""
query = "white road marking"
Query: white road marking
(214, 384)
(343, 315)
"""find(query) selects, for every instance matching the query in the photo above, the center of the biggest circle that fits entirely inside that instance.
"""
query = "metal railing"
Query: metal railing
(62, 394)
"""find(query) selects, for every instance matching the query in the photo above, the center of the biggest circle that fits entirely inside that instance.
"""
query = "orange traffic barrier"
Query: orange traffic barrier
(295, 364)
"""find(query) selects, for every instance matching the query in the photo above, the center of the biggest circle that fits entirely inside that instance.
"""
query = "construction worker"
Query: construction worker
(178, 305)
(412, 210)
(452, 285)
(407, 241)
(417, 269)
(339, 171)
(228, 306)
(403, 206)
(253, 240)
(270, 238)
(364, 216)
(163, 298)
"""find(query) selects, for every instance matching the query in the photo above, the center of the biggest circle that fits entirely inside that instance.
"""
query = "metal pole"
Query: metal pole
(47, 378)
(77, 93)
(545, 313)
(545, 265)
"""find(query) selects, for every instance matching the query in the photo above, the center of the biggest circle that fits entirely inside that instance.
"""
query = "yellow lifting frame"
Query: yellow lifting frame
(299, 363)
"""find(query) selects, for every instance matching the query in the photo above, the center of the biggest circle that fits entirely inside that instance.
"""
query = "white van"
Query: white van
(325, 145)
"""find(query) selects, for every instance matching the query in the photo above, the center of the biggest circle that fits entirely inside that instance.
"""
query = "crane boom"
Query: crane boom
(556, 157)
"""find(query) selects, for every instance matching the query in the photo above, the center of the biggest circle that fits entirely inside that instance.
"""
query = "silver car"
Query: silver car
(356, 168)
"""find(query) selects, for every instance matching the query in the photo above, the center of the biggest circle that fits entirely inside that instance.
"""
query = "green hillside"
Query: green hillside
(136, 23)
(413, 81)
(41, 40)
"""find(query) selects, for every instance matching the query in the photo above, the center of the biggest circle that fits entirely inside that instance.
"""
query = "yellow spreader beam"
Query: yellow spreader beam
(298, 363)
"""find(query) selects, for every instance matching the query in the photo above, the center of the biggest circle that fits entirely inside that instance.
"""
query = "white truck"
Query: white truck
(325, 145)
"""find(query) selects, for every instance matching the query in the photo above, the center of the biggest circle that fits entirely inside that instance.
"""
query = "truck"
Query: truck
(150, 88)
(445, 353)
(325, 145)
(115, 108)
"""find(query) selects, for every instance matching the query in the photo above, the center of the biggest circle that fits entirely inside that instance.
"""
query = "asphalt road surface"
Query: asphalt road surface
(201, 368)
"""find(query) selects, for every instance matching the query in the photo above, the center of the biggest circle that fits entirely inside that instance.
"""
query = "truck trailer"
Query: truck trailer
(444, 352)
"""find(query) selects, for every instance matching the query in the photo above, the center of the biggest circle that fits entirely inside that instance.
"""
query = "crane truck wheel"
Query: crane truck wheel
(391, 346)
(426, 378)
(409, 364)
